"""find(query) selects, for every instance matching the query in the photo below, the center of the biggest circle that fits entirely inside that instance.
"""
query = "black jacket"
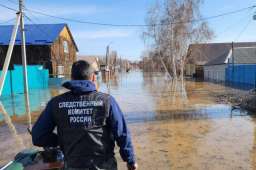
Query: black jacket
(84, 136)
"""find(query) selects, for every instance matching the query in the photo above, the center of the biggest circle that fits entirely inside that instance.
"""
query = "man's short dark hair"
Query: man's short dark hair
(81, 70)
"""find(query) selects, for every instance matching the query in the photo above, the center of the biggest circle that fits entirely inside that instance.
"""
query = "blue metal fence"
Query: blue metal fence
(16, 105)
(241, 75)
(37, 79)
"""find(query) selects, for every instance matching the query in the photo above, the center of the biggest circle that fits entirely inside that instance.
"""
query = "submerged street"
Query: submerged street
(179, 75)
(174, 124)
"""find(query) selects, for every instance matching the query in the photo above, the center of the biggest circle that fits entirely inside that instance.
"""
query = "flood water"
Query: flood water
(174, 124)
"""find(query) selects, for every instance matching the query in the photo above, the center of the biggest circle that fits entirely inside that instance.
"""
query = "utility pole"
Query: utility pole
(233, 62)
(254, 15)
(107, 56)
(120, 63)
(24, 62)
(254, 18)
(23, 47)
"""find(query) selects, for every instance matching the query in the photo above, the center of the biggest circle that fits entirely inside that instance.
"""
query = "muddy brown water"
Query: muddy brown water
(174, 124)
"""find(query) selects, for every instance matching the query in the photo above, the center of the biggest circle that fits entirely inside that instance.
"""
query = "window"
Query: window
(65, 46)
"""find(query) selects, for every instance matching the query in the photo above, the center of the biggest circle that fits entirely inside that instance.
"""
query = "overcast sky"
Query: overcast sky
(93, 39)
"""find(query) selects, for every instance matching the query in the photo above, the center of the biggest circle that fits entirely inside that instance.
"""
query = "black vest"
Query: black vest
(84, 135)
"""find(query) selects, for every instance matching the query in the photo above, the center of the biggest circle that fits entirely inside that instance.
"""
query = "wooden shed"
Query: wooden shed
(50, 45)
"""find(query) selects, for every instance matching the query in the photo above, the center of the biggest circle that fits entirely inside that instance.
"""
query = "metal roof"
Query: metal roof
(36, 34)
(219, 60)
(244, 55)
(212, 53)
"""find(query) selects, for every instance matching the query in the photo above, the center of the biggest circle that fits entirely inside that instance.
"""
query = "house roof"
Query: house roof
(36, 34)
(202, 54)
(218, 60)
(244, 55)
(93, 60)
(88, 58)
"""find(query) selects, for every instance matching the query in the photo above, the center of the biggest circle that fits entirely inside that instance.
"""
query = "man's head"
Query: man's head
(82, 70)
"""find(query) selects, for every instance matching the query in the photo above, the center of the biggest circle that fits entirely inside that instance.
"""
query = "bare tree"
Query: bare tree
(172, 27)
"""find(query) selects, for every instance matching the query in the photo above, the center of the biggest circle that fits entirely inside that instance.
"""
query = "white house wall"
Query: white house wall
(215, 73)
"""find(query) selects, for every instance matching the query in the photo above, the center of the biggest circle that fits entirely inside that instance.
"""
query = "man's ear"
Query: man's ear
(94, 78)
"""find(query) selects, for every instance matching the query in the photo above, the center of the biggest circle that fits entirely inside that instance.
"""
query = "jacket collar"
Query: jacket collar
(80, 86)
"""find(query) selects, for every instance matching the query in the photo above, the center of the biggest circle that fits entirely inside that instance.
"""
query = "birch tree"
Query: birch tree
(172, 26)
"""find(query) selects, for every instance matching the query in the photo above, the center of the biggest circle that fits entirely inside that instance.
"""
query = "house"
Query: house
(236, 66)
(92, 59)
(201, 54)
(215, 69)
(241, 69)
(50, 45)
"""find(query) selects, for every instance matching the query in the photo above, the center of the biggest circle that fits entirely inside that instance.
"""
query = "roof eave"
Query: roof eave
(66, 25)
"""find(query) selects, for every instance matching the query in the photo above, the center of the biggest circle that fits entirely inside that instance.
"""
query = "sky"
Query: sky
(128, 42)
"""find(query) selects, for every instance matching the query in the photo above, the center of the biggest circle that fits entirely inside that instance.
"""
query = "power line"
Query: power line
(41, 30)
(13, 2)
(137, 25)
(7, 7)
(233, 24)
(130, 25)
(7, 21)
(140, 25)
(244, 28)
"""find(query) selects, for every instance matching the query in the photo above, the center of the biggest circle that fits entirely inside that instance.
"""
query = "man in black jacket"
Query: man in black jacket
(88, 124)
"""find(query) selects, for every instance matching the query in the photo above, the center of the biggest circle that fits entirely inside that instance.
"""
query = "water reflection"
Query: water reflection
(110, 79)
(143, 97)
(17, 105)
(130, 94)
(175, 124)
(27, 106)
(179, 99)
(12, 128)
